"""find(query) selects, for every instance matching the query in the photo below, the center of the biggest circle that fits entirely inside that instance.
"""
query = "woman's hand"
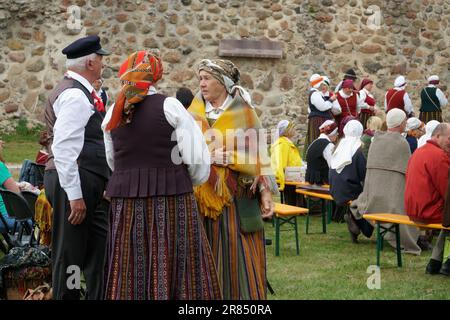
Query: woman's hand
(267, 204)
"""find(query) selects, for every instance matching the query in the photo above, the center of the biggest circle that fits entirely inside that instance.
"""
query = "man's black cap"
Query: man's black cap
(83, 47)
(350, 74)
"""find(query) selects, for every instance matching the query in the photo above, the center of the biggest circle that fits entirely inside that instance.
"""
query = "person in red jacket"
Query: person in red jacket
(426, 188)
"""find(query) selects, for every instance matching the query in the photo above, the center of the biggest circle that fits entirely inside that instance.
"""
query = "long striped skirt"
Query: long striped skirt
(240, 257)
(430, 115)
(313, 132)
(158, 250)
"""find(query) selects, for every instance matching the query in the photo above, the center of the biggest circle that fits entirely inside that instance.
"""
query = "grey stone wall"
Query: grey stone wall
(319, 36)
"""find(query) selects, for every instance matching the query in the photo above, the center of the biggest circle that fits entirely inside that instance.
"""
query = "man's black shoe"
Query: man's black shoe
(268, 242)
(445, 270)
(424, 244)
(433, 267)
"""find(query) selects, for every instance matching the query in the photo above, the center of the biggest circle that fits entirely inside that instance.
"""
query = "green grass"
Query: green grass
(22, 144)
(330, 266)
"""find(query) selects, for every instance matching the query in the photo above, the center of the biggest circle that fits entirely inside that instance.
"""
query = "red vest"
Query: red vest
(371, 102)
(348, 106)
(394, 99)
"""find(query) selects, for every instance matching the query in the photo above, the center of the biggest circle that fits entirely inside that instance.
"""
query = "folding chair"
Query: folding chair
(31, 198)
(3, 244)
(18, 208)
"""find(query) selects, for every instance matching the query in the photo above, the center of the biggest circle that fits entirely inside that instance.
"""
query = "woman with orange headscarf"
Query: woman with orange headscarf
(157, 246)
(320, 107)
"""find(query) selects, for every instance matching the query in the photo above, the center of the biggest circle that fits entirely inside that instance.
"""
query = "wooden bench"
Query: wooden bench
(326, 206)
(396, 220)
(287, 214)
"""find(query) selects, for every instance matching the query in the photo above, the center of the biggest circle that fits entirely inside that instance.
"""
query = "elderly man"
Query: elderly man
(384, 184)
(426, 188)
(76, 173)
(397, 97)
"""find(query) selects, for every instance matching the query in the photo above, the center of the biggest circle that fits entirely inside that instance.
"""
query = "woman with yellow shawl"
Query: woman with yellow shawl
(157, 246)
(238, 193)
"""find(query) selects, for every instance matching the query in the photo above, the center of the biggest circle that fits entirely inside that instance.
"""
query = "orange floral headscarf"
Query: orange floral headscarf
(141, 70)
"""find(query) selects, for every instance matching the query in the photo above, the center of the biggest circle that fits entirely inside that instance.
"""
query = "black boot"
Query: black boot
(433, 267)
(352, 227)
(424, 244)
(445, 270)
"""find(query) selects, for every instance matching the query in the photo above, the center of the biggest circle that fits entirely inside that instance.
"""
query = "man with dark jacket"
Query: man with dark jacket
(76, 174)
(426, 189)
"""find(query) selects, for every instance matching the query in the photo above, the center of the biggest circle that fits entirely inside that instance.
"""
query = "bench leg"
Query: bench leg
(329, 211)
(324, 216)
(297, 241)
(277, 236)
(308, 201)
(379, 242)
(397, 242)
(269, 287)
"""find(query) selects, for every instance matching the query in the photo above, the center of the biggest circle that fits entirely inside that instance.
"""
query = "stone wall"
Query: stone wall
(319, 36)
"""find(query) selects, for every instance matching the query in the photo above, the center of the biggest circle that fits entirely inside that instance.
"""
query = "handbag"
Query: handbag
(249, 213)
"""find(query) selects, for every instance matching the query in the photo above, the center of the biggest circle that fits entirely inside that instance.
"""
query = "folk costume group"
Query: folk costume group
(185, 219)
(155, 201)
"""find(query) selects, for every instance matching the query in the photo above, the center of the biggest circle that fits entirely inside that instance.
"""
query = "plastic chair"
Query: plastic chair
(18, 208)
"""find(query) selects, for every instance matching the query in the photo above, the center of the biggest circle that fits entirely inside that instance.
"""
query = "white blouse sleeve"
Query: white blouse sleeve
(442, 99)
(319, 103)
(73, 111)
(408, 103)
(190, 140)
(362, 98)
(336, 109)
(109, 149)
(327, 152)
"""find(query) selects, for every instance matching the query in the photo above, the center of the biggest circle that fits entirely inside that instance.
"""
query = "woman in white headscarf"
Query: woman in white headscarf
(429, 128)
(319, 153)
(283, 151)
(348, 166)
(414, 130)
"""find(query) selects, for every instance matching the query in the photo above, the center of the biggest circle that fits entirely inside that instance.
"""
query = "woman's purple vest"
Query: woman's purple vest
(143, 166)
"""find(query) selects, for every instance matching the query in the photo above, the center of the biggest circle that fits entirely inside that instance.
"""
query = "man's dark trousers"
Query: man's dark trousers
(82, 245)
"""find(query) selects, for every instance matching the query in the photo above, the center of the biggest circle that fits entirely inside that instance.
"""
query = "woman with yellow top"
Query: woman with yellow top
(285, 154)
(238, 193)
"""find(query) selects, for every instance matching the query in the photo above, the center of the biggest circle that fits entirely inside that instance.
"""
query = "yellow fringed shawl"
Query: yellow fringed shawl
(43, 218)
(218, 191)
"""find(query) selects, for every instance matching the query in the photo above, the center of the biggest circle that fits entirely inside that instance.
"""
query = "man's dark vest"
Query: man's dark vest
(429, 99)
(92, 156)
(143, 151)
